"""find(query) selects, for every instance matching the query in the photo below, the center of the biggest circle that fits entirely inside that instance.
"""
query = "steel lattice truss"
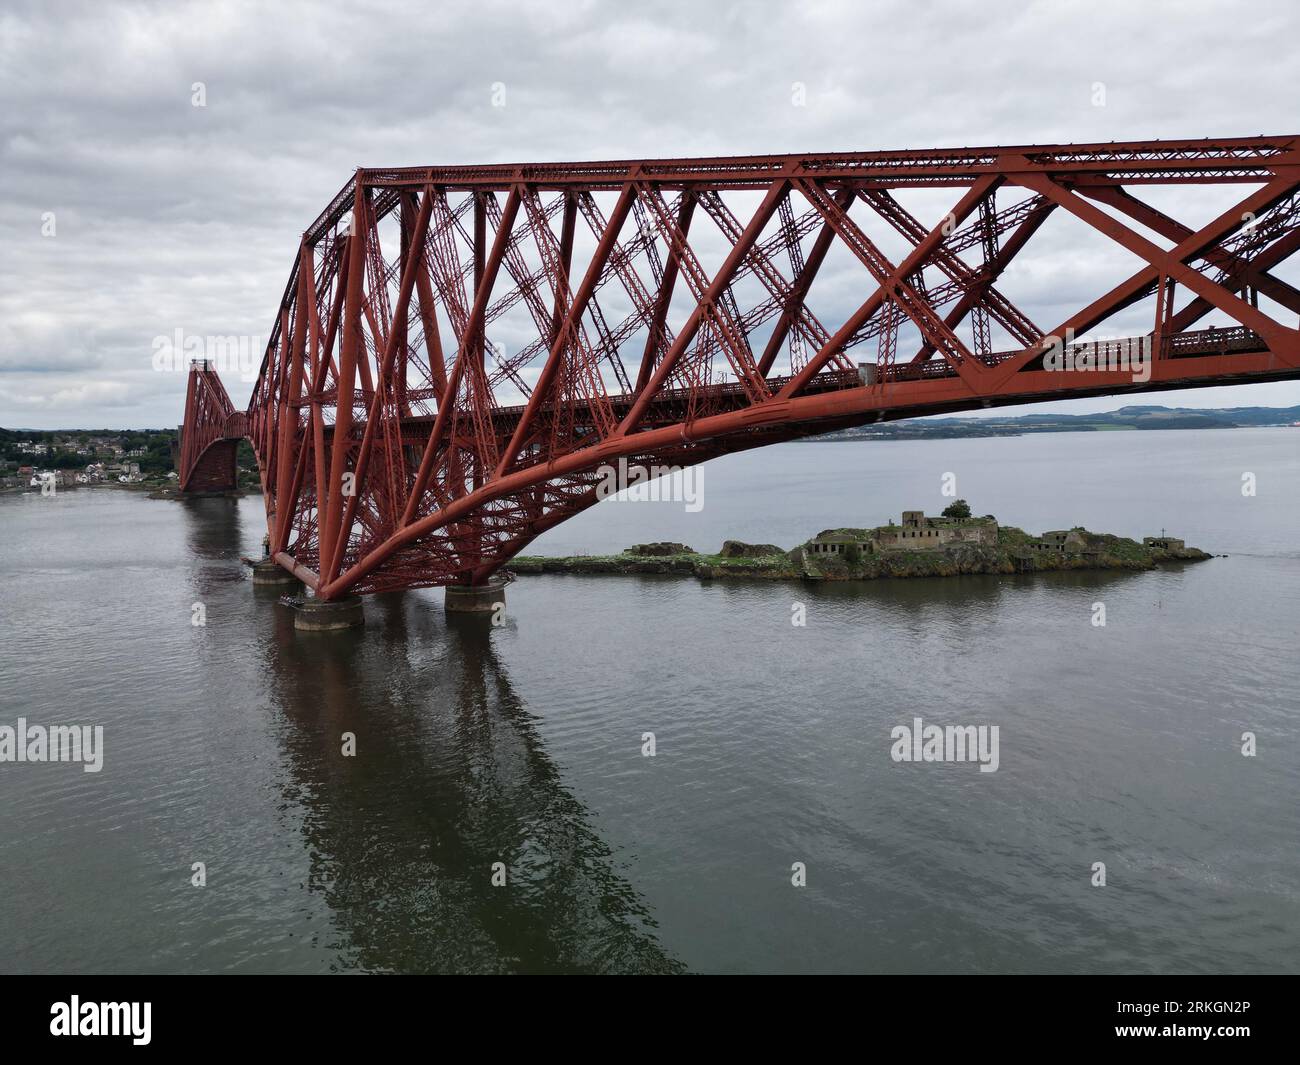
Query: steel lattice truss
(206, 462)
(461, 352)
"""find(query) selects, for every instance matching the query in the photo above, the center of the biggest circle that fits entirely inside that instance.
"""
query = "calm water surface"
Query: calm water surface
(522, 744)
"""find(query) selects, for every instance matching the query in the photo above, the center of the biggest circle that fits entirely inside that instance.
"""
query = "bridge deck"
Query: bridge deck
(668, 406)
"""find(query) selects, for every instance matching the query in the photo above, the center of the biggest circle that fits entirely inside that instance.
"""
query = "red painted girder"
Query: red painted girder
(1239, 159)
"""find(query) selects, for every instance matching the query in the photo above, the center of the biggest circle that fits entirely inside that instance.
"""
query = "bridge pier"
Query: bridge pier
(475, 598)
(270, 574)
(328, 615)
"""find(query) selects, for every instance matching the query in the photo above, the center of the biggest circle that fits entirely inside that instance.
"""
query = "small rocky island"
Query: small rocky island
(919, 546)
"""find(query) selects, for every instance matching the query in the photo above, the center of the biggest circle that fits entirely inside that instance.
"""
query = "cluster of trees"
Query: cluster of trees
(246, 466)
(157, 457)
(959, 510)
(156, 444)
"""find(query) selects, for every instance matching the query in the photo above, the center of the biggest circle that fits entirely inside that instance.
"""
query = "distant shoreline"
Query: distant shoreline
(1128, 419)
(152, 491)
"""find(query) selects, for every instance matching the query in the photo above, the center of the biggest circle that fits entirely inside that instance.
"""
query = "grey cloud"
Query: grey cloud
(171, 216)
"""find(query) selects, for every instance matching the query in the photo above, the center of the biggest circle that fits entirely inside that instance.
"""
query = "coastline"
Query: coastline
(151, 491)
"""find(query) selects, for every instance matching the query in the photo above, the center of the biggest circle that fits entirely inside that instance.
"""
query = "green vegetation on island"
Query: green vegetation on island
(919, 546)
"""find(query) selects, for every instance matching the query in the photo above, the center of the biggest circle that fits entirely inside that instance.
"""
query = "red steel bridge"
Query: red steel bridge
(460, 352)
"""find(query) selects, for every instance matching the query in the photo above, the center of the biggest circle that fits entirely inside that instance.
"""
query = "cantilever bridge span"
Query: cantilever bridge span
(459, 351)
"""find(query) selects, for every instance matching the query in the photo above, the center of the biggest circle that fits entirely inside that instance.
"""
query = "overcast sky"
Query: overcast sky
(170, 216)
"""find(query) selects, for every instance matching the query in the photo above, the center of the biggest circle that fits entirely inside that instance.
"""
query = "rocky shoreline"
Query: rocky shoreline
(1014, 552)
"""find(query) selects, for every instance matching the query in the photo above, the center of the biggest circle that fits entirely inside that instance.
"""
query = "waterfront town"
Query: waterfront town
(30, 461)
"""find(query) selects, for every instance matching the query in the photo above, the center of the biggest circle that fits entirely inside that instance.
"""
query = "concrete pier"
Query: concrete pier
(476, 598)
(320, 615)
(269, 574)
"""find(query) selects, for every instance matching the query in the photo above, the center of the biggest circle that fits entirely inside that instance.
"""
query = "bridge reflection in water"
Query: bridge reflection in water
(450, 776)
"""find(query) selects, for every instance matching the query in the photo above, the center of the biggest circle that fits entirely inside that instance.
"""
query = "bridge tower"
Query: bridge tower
(209, 435)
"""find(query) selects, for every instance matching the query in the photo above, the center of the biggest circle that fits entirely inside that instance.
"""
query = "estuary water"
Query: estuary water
(520, 748)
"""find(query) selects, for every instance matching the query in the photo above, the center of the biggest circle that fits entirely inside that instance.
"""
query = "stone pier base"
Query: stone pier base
(268, 574)
(319, 615)
(476, 598)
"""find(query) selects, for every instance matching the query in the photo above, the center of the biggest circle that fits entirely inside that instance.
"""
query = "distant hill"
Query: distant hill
(1126, 418)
